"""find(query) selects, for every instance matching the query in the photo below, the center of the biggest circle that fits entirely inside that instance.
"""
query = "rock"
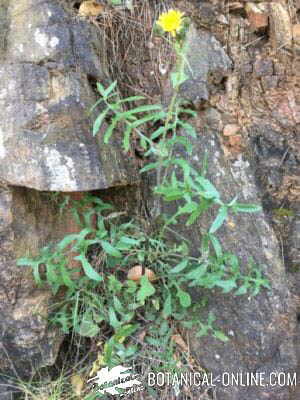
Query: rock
(263, 67)
(207, 13)
(296, 33)
(269, 82)
(257, 15)
(208, 64)
(280, 26)
(27, 223)
(294, 243)
(231, 129)
(49, 64)
(235, 140)
(90, 9)
(45, 131)
(135, 274)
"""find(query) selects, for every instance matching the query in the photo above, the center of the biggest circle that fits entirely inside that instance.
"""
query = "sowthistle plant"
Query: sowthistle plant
(103, 296)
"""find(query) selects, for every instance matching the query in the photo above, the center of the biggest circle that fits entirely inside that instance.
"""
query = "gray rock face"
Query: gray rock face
(28, 221)
(49, 61)
(207, 65)
(294, 244)
(45, 130)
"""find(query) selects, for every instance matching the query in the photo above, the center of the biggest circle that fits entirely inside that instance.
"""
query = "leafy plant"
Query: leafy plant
(103, 298)
(138, 318)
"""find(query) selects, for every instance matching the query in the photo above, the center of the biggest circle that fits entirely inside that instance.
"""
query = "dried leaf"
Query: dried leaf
(77, 383)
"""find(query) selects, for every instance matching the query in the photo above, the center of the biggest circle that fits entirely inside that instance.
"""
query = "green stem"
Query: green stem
(172, 109)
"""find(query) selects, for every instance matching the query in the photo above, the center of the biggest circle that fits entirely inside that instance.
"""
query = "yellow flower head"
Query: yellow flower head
(171, 21)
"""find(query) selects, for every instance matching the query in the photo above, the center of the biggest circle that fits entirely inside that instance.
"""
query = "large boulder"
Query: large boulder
(50, 61)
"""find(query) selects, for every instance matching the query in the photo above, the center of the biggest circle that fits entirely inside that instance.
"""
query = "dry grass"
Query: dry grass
(134, 56)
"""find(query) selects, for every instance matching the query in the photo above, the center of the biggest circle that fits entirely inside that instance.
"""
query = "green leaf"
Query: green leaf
(118, 305)
(180, 267)
(196, 273)
(221, 336)
(143, 108)
(66, 241)
(241, 290)
(184, 165)
(146, 289)
(210, 191)
(220, 218)
(167, 309)
(158, 132)
(126, 137)
(216, 245)
(88, 269)
(35, 265)
(107, 91)
(109, 249)
(247, 208)
(131, 98)
(188, 111)
(150, 166)
(65, 273)
(170, 193)
(87, 327)
(227, 286)
(189, 129)
(150, 117)
(125, 331)
(100, 88)
(109, 130)
(98, 122)
(188, 208)
(184, 298)
(113, 320)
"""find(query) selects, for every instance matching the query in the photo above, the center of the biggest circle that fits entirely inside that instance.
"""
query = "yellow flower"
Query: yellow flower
(171, 21)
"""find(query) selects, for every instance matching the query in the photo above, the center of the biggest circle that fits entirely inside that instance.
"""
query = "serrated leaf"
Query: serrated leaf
(88, 269)
(167, 309)
(126, 136)
(210, 191)
(65, 273)
(247, 208)
(180, 267)
(109, 249)
(98, 122)
(216, 245)
(109, 130)
(113, 320)
(220, 218)
(66, 241)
